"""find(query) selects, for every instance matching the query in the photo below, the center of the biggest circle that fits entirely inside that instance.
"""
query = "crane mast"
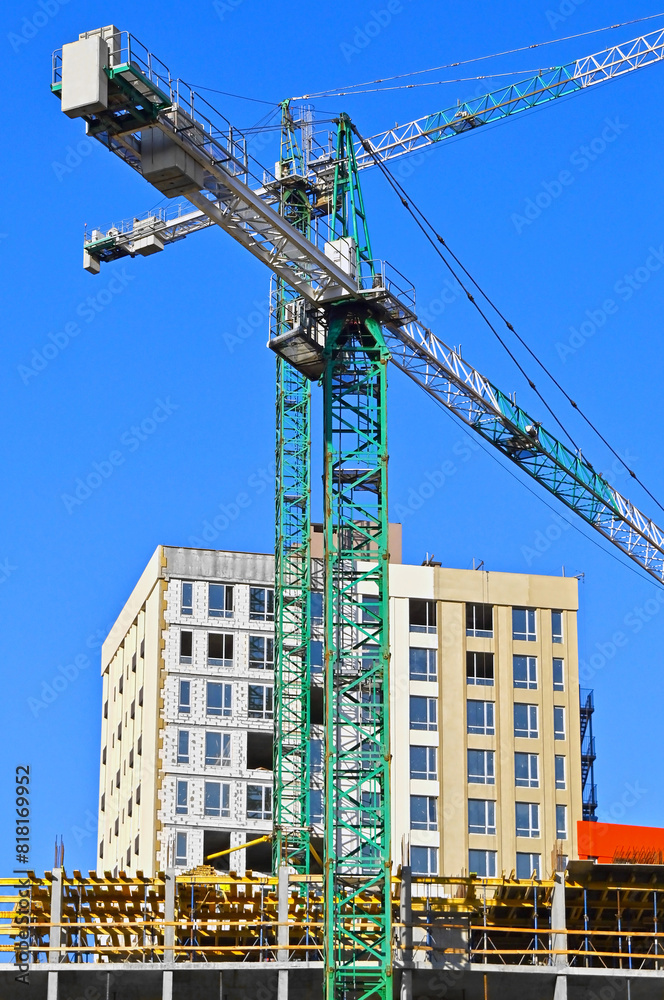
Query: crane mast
(338, 315)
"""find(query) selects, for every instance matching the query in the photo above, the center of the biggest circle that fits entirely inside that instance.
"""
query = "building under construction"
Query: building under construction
(367, 927)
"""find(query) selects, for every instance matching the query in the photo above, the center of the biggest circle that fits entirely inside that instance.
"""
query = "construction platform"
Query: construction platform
(592, 932)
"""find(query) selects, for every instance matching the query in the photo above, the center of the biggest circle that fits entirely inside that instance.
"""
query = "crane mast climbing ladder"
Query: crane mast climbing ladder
(339, 315)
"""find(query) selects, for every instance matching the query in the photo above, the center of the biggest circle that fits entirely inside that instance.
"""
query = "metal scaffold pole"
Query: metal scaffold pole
(358, 961)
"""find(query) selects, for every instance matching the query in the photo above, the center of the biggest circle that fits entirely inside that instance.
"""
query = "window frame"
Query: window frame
(471, 621)
(527, 733)
(559, 714)
(557, 637)
(226, 609)
(267, 710)
(430, 626)
(489, 726)
(429, 807)
(531, 780)
(430, 673)
(490, 862)
(182, 756)
(488, 826)
(429, 773)
(184, 707)
(529, 682)
(180, 840)
(561, 783)
(529, 830)
(558, 685)
(223, 793)
(526, 634)
(267, 614)
(537, 867)
(474, 677)
(186, 606)
(228, 646)
(562, 832)
(226, 708)
(266, 796)
(431, 854)
(265, 662)
(181, 793)
(486, 775)
(430, 725)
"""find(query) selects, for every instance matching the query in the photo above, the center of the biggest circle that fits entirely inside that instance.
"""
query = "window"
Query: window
(479, 668)
(119, 732)
(482, 863)
(218, 697)
(181, 790)
(370, 805)
(116, 827)
(140, 696)
(130, 807)
(187, 600)
(423, 665)
(316, 656)
(527, 865)
(133, 668)
(557, 626)
(523, 624)
(560, 773)
(217, 799)
(481, 767)
(220, 600)
(370, 613)
(220, 649)
(558, 723)
(117, 779)
(103, 802)
(525, 672)
(527, 819)
(479, 621)
(183, 746)
(218, 749)
(103, 756)
(526, 770)
(184, 698)
(261, 604)
(132, 710)
(181, 849)
(138, 795)
(186, 644)
(424, 860)
(370, 700)
(422, 616)
(558, 674)
(142, 649)
(316, 805)
(316, 605)
(121, 682)
(423, 713)
(106, 709)
(423, 763)
(139, 745)
(561, 822)
(481, 816)
(479, 718)
(259, 702)
(525, 721)
(261, 652)
(259, 802)
(136, 843)
(131, 757)
(101, 848)
(316, 756)
(423, 812)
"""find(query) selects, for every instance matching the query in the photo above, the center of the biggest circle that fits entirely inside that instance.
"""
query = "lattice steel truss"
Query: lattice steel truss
(292, 561)
(358, 960)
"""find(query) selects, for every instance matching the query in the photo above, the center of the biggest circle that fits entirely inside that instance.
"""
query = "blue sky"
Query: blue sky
(160, 332)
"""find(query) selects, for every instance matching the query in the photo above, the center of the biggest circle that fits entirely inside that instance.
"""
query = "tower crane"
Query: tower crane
(338, 314)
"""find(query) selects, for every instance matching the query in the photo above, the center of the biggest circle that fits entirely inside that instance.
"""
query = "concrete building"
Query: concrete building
(485, 721)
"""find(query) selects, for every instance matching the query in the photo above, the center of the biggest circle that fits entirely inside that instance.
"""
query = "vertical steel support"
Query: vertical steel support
(358, 954)
(292, 566)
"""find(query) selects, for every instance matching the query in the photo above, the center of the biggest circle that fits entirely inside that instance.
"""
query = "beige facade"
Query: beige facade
(486, 755)
(473, 767)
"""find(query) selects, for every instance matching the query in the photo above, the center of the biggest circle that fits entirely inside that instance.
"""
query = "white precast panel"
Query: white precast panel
(84, 82)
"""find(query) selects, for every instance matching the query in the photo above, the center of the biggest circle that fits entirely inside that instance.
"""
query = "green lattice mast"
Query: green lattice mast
(358, 961)
(292, 555)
